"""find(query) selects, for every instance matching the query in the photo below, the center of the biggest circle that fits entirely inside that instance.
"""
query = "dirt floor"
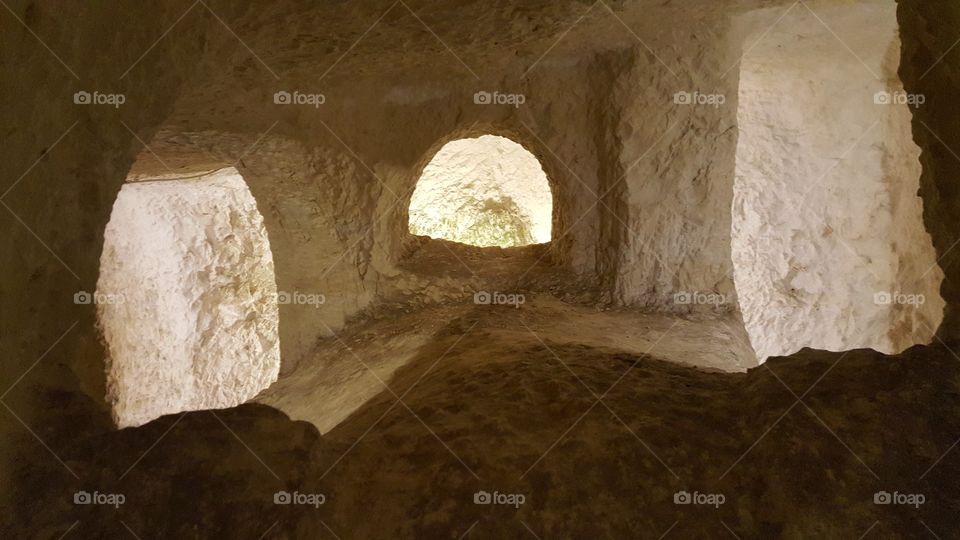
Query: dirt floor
(349, 369)
(575, 420)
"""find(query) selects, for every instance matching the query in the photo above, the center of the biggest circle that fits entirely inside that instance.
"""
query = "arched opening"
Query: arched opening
(829, 246)
(484, 191)
(187, 299)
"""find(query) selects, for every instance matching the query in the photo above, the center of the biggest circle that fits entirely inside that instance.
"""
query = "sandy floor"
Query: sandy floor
(351, 368)
(599, 444)
(595, 417)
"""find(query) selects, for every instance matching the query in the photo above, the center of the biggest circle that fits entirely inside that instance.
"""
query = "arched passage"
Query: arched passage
(483, 191)
(186, 297)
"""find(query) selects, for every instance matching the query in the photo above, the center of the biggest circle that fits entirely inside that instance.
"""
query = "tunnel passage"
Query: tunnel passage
(829, 246)
(187, 299)
(485, 191)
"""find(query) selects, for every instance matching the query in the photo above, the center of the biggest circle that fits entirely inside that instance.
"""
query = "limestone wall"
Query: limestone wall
(829, 247)
(677, 127)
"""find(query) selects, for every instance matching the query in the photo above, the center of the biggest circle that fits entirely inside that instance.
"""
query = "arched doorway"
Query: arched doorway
(829, 246)
(484, 191)
(187, 299)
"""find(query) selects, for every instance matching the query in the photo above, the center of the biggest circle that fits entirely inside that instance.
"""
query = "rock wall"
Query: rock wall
(829, 248)
(335, 199)
(930, 67)
(677, 130)
(186, 298)
(63, 165)
(318, 205)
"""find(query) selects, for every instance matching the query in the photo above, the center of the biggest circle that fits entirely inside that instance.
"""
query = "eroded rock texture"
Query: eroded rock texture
(928, 69)
(827, 188)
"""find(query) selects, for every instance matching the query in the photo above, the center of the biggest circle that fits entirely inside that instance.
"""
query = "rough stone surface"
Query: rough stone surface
(826, 188)
(930, 68)
(187, 298)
